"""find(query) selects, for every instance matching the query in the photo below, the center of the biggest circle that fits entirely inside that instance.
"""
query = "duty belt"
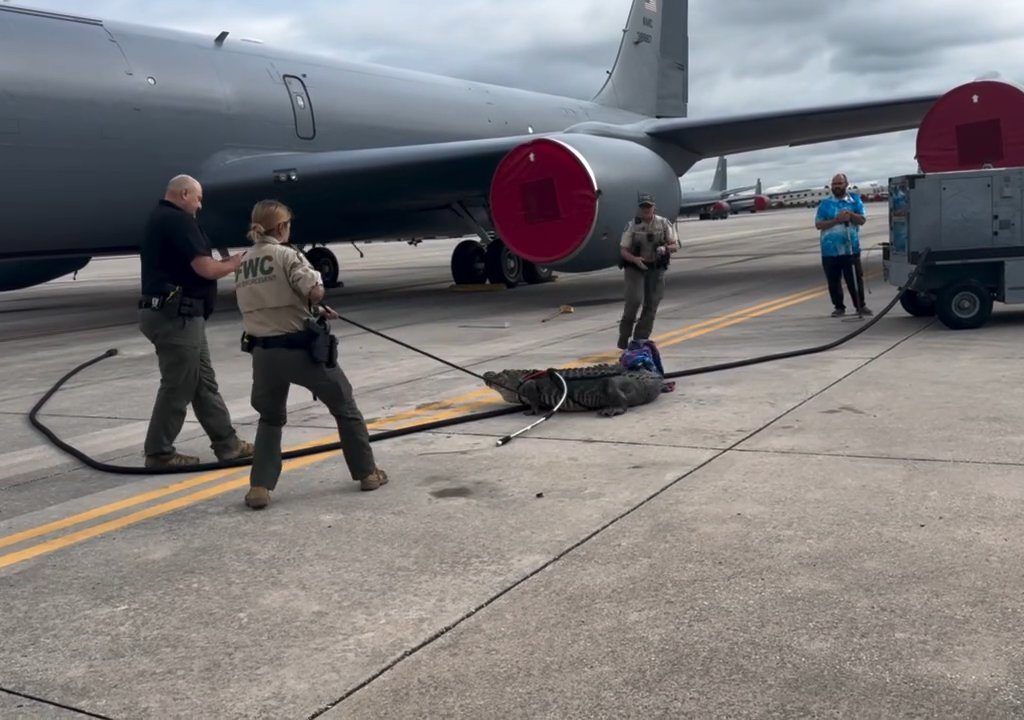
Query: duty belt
(187, 306)
(293, 341)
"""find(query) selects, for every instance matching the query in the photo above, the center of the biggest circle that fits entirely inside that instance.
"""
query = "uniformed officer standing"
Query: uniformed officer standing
(647, 242)
(278, 293)
(179, 288)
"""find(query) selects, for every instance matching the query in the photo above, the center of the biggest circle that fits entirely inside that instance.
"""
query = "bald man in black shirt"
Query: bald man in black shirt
(179, 288)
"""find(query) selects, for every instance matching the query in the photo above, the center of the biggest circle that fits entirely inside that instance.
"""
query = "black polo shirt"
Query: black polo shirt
(173, 239)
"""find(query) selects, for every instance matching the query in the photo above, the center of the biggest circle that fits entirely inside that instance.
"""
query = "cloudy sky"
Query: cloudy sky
(745, 55)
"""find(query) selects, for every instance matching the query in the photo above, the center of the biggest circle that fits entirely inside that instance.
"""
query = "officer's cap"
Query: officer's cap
(645, 199)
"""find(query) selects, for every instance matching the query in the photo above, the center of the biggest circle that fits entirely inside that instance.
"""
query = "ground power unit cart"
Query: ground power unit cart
(970, 222)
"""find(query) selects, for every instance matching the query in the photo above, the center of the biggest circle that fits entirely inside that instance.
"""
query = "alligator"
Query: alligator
(609, 389)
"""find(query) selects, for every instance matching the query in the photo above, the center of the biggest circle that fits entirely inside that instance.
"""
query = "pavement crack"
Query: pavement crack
(53, 703)
(893, 458)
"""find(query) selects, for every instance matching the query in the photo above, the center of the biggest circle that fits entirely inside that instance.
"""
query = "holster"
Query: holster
(316, 340)
(159, 301)
(323, 346)
(191, 307)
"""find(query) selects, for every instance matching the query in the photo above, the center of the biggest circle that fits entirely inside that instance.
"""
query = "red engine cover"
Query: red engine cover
(971, 125)
(760, 202)
(543, 200)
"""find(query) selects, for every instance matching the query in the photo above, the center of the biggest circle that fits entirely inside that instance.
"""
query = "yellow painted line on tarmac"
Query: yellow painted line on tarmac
(177, 503)
(443, 410)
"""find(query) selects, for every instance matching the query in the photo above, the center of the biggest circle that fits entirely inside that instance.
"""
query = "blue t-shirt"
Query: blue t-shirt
(840, 239)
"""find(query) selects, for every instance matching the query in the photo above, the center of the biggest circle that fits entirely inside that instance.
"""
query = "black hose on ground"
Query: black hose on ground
(33, 414)
(33, 417)
(805, 351)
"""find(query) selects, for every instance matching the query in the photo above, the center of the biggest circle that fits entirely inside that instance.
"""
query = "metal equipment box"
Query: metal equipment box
(971, 224)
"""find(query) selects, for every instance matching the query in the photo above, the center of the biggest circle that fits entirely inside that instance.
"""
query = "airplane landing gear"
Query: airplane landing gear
(326, 262)
(469, 263)
(536, 274)
(474, 263)
(503, 265)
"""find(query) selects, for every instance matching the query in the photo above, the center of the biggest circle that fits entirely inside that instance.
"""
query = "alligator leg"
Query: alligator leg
(615, 400)
(529, 391)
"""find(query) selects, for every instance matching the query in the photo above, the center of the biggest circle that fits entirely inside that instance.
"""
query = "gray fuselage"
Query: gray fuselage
(96, 117)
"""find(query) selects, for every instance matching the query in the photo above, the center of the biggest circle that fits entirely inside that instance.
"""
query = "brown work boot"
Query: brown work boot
(170, 460)
(242, 450)
(257, 498)
(374, 480)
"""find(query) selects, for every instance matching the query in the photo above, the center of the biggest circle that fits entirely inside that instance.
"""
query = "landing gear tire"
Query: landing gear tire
(536, 274)
(469, 263)
(918, 304)
(326, 262)
(964, 305)
(503, 265)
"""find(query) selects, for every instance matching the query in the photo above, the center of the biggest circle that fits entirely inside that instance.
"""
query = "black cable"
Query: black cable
(811, 350)
(495, 383)
(396, 341)
(241, 462)
(423, 427)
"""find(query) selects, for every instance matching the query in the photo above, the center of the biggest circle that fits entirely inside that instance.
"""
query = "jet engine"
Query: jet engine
(760, 203)
(17, 274)
(563, 201)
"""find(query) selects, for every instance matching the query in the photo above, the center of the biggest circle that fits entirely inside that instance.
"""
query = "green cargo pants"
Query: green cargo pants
(643, 289)
(186, 378)
(273, 372)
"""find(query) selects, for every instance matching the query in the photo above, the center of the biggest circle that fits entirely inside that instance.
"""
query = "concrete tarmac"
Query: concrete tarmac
(834, 535)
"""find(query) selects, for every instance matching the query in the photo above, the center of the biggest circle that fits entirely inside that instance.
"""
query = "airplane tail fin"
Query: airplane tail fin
(757, 188)
(721, 181)
(649, 75)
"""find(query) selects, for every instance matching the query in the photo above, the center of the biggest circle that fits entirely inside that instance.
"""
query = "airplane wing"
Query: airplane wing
(327, 189)
(440, 172)
(707, 137)
(736, 191)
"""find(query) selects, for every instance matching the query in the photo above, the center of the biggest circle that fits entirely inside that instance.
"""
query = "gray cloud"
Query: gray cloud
(745, 55)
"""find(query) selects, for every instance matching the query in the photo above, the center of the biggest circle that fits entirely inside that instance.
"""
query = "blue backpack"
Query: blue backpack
(642, 355)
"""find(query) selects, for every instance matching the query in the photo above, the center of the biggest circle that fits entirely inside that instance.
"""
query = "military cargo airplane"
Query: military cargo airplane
(96, 116)
(751, 203)
(717, 201)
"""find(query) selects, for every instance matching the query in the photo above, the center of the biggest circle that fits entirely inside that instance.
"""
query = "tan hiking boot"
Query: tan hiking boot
(374, 480)
(170, 460)
(257, 498)
(243, 450)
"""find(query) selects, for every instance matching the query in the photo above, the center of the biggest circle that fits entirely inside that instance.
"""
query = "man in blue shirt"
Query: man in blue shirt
(839, 219)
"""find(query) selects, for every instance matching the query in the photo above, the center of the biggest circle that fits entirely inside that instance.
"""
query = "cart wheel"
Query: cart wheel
(964, 305)
(918, 304)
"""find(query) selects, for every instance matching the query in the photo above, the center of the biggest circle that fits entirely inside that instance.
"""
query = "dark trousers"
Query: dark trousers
(644, 289)
(186, 378)
(837, 269)
(273, 372)
(858, 272)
